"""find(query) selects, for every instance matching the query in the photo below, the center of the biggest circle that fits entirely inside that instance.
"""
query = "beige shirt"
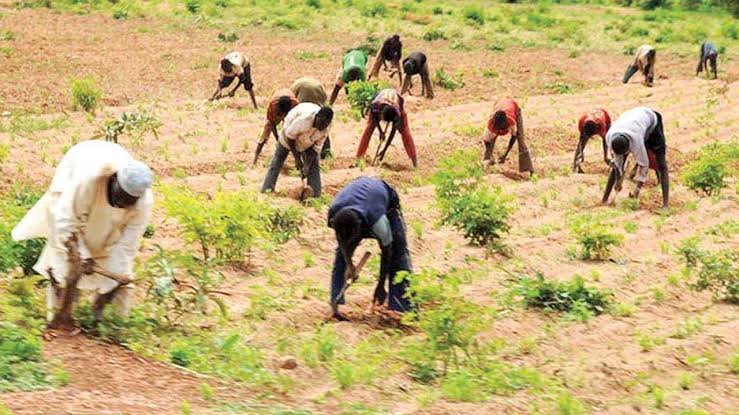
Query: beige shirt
(239, 62)
(298, 126)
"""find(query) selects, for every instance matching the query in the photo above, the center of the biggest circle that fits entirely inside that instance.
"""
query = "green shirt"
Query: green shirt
(356, 58)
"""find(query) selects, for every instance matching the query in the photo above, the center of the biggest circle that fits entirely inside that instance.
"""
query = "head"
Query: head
(409, 67)
(589, 128)
(284, 105)
(226, 65)
(129, 184)
(353, 74)
(620, 144)
(348, 228)
(500, 120)
(323, 119)
(389, 114)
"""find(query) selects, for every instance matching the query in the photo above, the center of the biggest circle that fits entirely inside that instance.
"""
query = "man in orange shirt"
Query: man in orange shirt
(593, 122)
(388, 106)
(280, 104)
(506, 118)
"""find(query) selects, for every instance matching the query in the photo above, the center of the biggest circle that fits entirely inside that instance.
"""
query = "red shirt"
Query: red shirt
(510, 107)
(601, 119)
(272, 116)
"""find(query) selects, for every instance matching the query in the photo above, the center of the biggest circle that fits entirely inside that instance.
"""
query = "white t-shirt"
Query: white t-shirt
(636, 124)
(298, 126)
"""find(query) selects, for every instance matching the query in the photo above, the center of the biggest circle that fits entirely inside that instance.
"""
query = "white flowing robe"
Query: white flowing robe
(77, 203)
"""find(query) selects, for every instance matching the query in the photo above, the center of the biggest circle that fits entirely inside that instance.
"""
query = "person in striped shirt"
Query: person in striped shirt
(353, 68)
(391, 52)
(644, 61)
(506, 118)
(388, 107)
(708, 54)
(593, 122)
(417, 64)
(235, 65)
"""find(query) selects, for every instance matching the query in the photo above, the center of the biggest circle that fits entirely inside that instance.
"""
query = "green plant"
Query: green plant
(594, 236)
(539, 292)
(717, 271)
(120, 14)
(714, 163)
(228, 37)
(685, 381)
(569, 405)
(434, 34)
(85, 94)
(734, 363)
(374, 9)
(316, 4)
(206, 391)
(448, 81)
(474, 15)
(135, 124)
(13, 206)
(192, 6)
(362, 93)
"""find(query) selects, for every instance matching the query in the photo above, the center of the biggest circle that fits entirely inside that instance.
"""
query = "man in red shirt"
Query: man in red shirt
(388, 107)
(506, 118)
(282, 101)
(593, 122)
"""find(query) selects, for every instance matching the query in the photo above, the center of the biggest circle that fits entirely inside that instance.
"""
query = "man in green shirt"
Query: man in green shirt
(353, 68)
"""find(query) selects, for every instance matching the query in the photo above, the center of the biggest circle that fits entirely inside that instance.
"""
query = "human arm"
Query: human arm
(123, 251)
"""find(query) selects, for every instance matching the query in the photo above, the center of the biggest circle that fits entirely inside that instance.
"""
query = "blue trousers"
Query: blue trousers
(401, 261)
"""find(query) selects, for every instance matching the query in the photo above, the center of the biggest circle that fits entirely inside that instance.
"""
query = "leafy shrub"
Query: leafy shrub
(538, 292)
(228, 37)
(448, 81)
(316, 4)
(715, 162)
(85, 94)
(120, 14)
(434, 34)
(228, 225)
(653, 4)
(717, 271)
(374, 9)
(192, 6)
(595, 237)
(136, 124)
(730, 29)
(13, 206)
(362, 93)
(475, 15)
(479, 212)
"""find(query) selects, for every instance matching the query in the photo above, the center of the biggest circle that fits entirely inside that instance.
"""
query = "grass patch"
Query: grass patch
(716, 271)
(85, 94)
(568, 297)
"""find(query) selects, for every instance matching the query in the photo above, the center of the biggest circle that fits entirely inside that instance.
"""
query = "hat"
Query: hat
(135, 178)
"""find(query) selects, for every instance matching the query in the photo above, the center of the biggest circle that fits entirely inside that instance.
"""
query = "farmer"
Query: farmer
(308, 89)
(506, 118)
(305, 128)
(416, 64)
(369, 208)
(644, 62)
(708, 54)
(235, 65)
(353, 68)
(638, 131)
(391, 51)
(280, 104)
(387, 107)
(98, 205)
(593, 122)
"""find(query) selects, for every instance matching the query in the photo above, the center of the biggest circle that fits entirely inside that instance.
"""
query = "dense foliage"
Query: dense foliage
(13, 206)
(708, 172)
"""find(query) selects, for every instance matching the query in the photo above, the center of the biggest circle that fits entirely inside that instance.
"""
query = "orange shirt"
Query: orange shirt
(272, 107)
(601, 119)
(510, 107)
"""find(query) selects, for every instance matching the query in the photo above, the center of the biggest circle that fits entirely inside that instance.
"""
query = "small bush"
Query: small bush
(192, 6)
(85, 94)
(362, 93)
(595, 237)
(13, 206)
(448, 81)
(539, 292)
(434, 34)
(228, 37)
(714, 163)
(374, 9)
(135, 124)
(474, 15)
(120, 14)
(316, 4)
(717, 271)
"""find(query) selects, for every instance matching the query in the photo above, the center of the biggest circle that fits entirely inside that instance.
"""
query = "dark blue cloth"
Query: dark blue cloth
(369, 197)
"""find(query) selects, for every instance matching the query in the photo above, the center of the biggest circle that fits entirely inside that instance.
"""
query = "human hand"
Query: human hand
(87, 266)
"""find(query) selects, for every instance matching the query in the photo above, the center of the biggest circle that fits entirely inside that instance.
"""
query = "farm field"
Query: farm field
(256, 338)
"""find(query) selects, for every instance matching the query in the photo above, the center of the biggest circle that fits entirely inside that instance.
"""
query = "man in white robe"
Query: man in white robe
(101, 196)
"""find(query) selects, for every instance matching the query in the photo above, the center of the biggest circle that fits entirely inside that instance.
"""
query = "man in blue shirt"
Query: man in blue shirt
(369, 208)
(708, 54)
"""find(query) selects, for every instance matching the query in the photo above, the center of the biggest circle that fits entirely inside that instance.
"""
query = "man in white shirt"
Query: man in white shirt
(235, 65)
(638, 131)
(305, 128)
(98, 204)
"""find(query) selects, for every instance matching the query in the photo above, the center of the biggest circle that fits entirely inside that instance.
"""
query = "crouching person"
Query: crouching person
(388, 107)
(638, 131)
(235, 65)
(305, 128)
(594, 122)
(369, 208)
(92, 216)
(506, 119)
(646, 57)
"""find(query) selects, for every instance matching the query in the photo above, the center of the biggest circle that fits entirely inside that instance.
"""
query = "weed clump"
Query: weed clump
(448, 81)
(714, 163)
(568, 297)
(716, 271)
(135, 124)
(85, 94)
(595, 237)
(13, 206)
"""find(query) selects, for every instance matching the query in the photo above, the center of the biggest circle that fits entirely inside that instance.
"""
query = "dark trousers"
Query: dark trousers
(278, 160)
(401, 261)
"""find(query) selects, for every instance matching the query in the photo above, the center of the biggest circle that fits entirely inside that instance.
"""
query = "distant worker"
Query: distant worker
(416, 64)
(643, 61)
(593, 122)
(506, 118)
(391, 52)
(308, 89)
(708, 54)
(92, 216)
(235, 65)
(353, 68)
(387, 107)
(305, 128)
(369, 208)
(280, 104)
(638, 131)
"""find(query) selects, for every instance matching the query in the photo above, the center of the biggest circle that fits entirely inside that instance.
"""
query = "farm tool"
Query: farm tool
(348, 283)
